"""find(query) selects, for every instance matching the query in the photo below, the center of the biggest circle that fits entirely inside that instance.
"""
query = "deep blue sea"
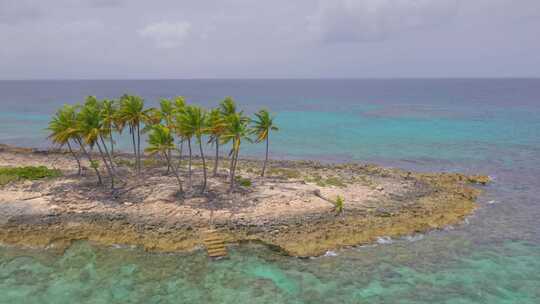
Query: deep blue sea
(489, 126)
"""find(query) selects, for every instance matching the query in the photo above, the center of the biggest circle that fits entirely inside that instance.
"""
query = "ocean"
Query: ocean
(486, 126)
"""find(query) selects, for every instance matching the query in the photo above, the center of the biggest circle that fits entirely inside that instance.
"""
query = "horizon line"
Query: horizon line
(280, 78)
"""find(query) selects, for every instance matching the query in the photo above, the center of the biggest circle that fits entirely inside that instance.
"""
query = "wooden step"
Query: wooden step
(214, 243)
(222, 249)
(216, 248)
(220, 244)
(217, 253)
(211, 234)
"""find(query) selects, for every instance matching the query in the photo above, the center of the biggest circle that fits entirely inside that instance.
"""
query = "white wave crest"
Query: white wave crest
(414, 238)
(330, 253)
(384, 240)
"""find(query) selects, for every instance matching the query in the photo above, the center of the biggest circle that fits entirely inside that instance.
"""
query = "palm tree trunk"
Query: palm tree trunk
(109, 170)
(231, 172)
(168, 152)
(234, 162)
(189, 162)
(76, 158)
(203, 164)
(132, 131)
(235, 165)
(139, 146)
(266, 158)
(100, 182)
(175, 172)
(216, 161)
(112, 143)
(107, 153)
(180, 148)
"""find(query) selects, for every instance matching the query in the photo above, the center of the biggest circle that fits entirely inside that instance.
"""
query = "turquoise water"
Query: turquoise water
(364, 135)
(487, 126)
(506, 273)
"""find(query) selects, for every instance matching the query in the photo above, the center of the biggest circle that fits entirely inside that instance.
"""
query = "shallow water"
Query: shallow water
(487, 126)
(422, 271)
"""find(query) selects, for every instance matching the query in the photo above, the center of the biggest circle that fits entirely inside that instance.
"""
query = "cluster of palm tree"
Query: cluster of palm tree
(95, 123)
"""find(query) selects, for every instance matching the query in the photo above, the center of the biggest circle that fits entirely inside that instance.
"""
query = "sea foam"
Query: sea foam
(384, 240)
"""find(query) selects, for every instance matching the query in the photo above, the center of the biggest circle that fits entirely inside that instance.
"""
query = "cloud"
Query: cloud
(373, 20)
(414, 38)
(166, 35)
(16, 12)
(105, 3)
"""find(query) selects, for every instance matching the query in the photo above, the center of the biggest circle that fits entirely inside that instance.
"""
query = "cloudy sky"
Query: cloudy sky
(64, 39)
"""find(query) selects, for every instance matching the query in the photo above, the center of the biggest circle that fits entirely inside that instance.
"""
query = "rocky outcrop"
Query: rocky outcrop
(283, 213)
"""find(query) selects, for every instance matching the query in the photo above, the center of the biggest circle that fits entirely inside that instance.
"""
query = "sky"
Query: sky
(142, 39)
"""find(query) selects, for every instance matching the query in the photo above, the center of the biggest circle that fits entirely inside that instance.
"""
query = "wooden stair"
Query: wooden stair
(215, 244)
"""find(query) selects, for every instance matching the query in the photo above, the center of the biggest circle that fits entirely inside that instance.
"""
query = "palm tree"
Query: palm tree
(262, 126)
(236, 130)
(227, 106)
(90, 127)
(215, 128)
(107, 112)
(132, 113)
(63, 128)
(190, 123)
(106, 120)
(199, 122)
(166, 112)
(160, 140)
(108, 117)
(117, 123)
(67, 127)
(178, 106)
(166, 116)
(152, 117)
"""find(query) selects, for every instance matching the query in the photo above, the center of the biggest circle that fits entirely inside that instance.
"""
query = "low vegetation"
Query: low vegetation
(335, 181)
(285, 173)
(124, 162)
(244, 182)
(153, 162)
(326, 182)
(339, 202)
(9, 174)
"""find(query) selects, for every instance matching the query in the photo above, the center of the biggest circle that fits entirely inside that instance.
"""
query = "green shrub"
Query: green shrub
(244, 182)
(197, 163)
(335, 181)
(315, 178)
(8, 174)
(124, 162)
(363, 180)
(287, 173)
(94, 164)
(5, 179)
(325, 182)
(153, 162)
(339, 204)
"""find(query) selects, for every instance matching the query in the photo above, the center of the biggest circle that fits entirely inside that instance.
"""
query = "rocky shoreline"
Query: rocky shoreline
(289, 210)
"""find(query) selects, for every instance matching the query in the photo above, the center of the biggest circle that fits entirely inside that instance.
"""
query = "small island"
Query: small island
(165, 201)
